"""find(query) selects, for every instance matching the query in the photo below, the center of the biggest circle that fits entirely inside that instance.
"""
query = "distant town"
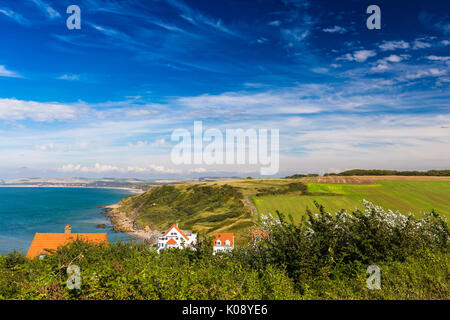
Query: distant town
(137, 184)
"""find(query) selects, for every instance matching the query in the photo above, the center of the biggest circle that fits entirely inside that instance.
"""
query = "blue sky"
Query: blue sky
(104, 100)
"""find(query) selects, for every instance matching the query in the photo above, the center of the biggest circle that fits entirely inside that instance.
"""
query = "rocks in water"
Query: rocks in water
(101, 225)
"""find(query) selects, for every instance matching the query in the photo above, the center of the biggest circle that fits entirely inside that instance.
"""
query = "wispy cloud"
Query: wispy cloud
(199, 19)
(358, 56)
(384, 64)
(8, 73)
(420, 44)
(106, 168)
(15, 16)
(47, 9)
(335, 29)
(393, 45)
(13, 109)
(70, 77)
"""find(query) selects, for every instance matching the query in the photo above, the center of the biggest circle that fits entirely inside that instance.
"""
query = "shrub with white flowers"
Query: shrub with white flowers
(361, 237)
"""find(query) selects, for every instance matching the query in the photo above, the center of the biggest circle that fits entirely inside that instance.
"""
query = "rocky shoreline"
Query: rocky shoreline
(122, 223)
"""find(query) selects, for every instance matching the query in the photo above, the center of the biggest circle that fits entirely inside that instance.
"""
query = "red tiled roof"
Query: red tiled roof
(171, 241)
(223, 237)
(178, 229)
(52, 241)
(259, 235)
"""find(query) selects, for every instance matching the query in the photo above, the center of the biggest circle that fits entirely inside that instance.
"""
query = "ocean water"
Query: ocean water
(25, 211)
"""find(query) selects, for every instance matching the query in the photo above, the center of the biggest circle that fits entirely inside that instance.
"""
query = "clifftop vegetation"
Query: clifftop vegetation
(205, 208)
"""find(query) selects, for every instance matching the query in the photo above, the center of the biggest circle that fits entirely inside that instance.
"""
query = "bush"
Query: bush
(325, 242)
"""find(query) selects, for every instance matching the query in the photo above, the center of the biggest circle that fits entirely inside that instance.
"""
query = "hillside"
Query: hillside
(233, 206)
(205, 208)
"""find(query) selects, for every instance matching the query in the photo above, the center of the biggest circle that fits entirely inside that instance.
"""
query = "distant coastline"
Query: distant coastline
(132, 190)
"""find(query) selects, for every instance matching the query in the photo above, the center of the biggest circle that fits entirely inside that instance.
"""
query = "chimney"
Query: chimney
(67, 229)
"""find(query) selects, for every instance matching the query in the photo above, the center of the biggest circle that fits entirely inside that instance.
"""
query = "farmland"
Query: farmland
(403, 194)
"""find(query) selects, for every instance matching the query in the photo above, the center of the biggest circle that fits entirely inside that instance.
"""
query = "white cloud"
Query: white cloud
(274, 23)
(8, 73)
(45, 147)
(160, 143)
(419, 44)
(432, 72)
(295, 35)
(394, 58)
(197, 18)
(320, 70)
(13, 109)
(438, 58)
(47, 9)
(14, 15)
(197, 170)
(384, 64)
(106, 168)
(139, 112)
(358, 56)
(139, 144)
(335, 29)
(392, 45)
(71, 77)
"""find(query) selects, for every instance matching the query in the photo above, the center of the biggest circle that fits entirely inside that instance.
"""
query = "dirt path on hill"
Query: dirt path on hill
(251, 206)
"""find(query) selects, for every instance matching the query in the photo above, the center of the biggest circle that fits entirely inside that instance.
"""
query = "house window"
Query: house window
(227, 243)
(218, 243)
(42, 256)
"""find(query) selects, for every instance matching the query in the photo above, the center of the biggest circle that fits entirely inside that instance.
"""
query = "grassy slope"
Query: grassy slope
(405, 196)
(205, 208)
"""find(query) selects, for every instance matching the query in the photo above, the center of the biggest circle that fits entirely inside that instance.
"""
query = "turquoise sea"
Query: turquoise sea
(25, 211)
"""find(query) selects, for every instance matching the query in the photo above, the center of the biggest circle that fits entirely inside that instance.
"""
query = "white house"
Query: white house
(176, 238)
(223, 242)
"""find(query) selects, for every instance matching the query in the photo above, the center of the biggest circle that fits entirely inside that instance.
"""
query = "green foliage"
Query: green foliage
(284, 189)
(134, 271)
(201, 207)
(326, 245)
(13, 259)
(325, 256)
(298, 176)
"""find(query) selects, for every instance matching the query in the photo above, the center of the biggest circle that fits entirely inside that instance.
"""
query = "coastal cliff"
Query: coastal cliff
(204, 208)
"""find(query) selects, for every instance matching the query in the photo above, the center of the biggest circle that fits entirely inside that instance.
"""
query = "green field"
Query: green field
(405, 196)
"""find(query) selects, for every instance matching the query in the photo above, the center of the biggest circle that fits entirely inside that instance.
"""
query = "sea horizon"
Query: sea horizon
(25, 211)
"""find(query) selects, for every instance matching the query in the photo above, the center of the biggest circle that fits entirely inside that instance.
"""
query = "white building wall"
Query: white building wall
(178, 238)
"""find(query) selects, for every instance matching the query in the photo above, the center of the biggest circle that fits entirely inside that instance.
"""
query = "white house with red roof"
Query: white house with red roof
(176, 238)
(223, 242)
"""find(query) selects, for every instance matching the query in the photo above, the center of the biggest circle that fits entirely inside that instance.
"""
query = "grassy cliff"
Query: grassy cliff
(205, 208)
